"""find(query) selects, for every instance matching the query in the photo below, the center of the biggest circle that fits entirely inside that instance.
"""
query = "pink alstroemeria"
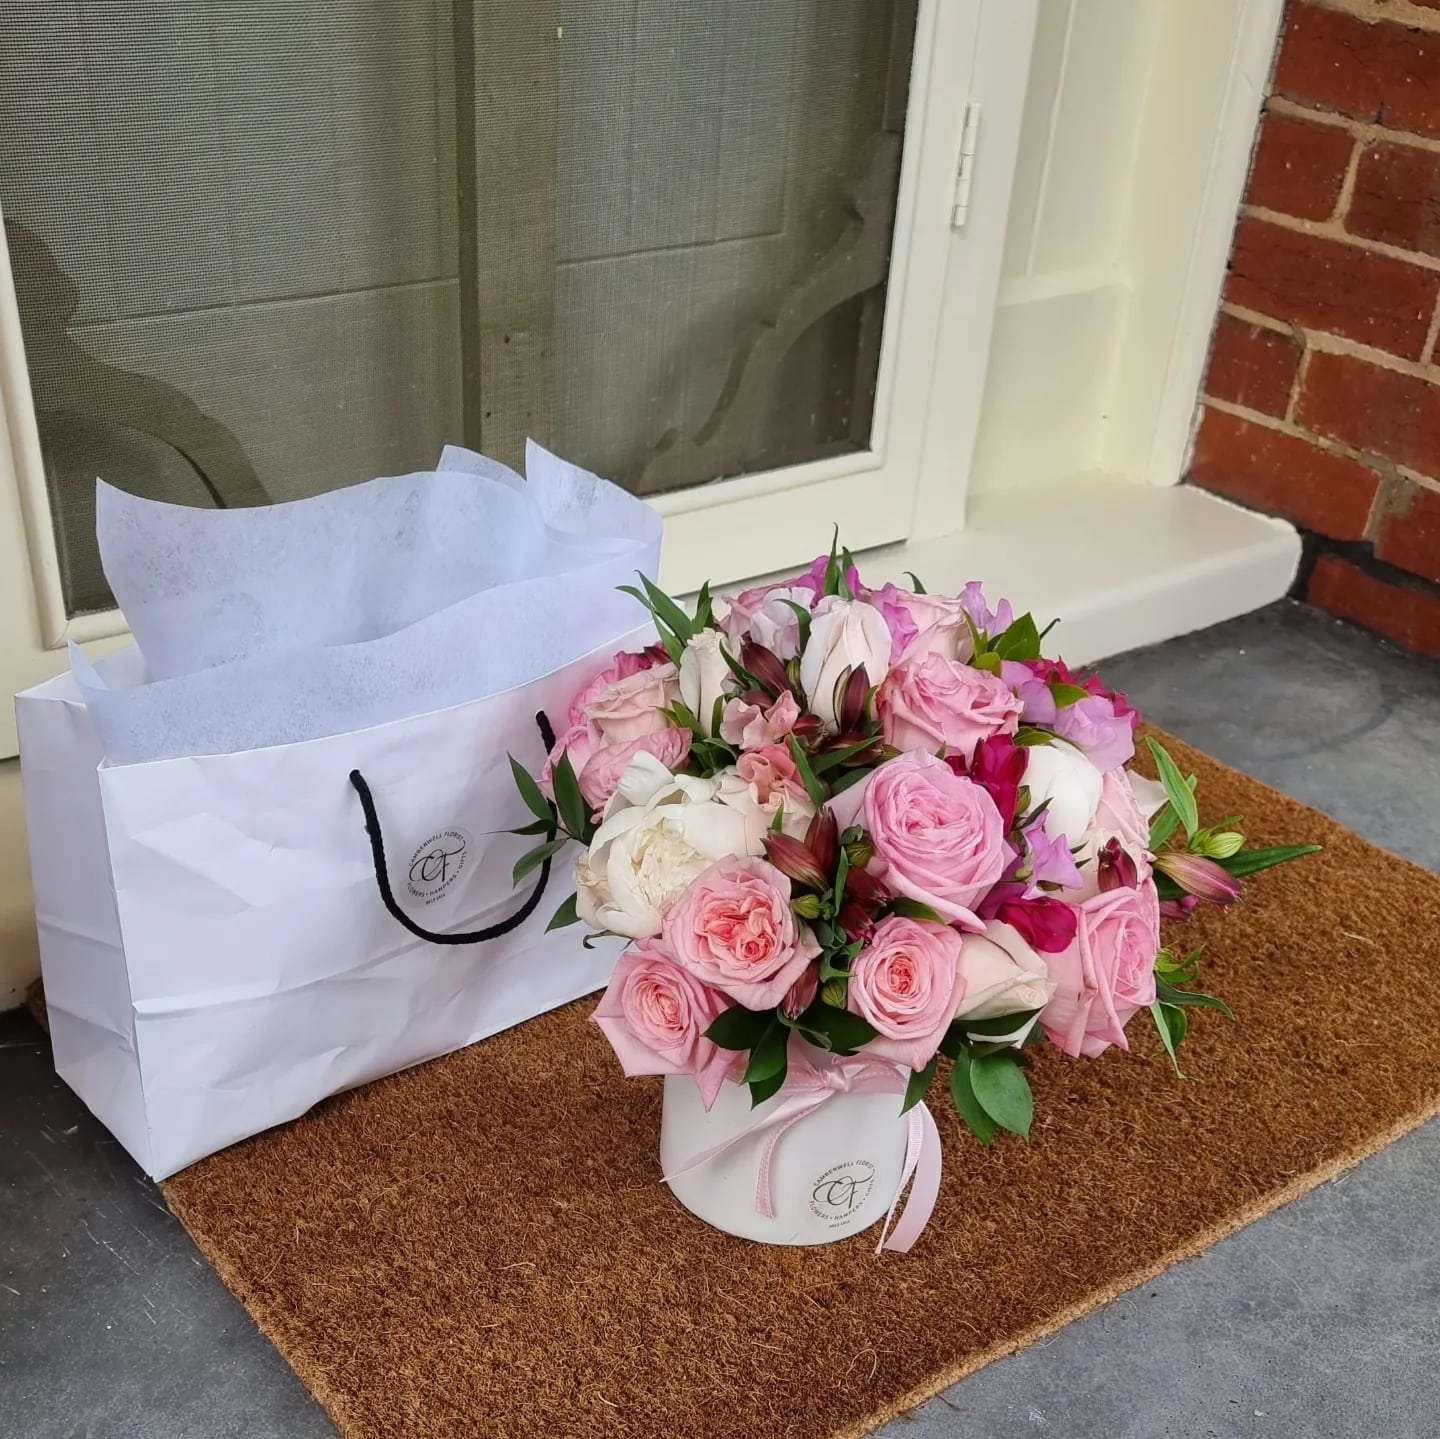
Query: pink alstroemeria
(1200, 877)
(1047, 924)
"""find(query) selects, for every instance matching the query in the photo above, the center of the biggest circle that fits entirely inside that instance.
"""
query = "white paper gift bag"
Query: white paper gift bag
(217, 949)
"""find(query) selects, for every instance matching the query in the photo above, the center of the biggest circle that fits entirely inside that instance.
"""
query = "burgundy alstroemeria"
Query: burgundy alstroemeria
(796, 861)
(1200, 877)
(1114, 867)
(999, 769)
(1178, 908)
(1047, 925)
(765, 666)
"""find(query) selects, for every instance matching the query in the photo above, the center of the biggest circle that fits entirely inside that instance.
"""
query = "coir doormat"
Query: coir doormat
(482, 1246)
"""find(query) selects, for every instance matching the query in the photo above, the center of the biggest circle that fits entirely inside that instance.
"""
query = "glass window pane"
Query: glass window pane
(262, 251)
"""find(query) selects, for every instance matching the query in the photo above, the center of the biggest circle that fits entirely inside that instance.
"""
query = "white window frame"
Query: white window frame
(893, 491)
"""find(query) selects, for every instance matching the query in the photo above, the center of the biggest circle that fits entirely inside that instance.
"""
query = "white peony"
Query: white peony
(704, 676)
(1003, 975)
(660, 831)
(1064, 775)
(844, 634)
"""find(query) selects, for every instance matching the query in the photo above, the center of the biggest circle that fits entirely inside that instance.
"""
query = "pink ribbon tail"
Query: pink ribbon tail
(922, 1163)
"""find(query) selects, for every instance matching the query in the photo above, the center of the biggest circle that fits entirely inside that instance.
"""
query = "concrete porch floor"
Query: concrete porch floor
(1321, 1321)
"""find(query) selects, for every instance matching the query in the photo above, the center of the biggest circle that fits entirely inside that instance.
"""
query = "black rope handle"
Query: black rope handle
(382, 870)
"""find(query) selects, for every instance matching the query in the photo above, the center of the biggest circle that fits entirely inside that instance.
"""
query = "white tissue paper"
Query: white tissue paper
(266, 626)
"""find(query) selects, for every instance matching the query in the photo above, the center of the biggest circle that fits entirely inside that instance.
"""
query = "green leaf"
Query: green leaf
(574, 812)
(1164, 1016)
(913, 909)
(813, 787)
(915, 586)
(767, 1059)
(704, 609)
(1028, 735)
(989, 662)
(539, 826)
(850, 777)
(952, 1046)
(1066, 695)
(998, 1027)
(666, 610)
(967, 1105)
(1163, 826)
(919, 1085)
(1020, 642)
(749, 681)
(530, 792)
(1252, 861)
(763, 1089)
(838, 1029)
(803, 615)
(833, 759)
(565, 915)
(1002, 1091)
(738, 1027)
(1178, 998)
(534, 858)
(674, 645)
(842, 871)
(1179, 793)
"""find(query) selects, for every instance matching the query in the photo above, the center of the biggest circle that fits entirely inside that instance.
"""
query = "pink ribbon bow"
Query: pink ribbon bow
(808, 1088)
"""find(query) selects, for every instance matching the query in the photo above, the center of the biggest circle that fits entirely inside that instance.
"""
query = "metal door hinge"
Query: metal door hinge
(969, 133)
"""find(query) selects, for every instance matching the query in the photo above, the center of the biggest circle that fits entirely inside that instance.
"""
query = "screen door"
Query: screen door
(264, 250)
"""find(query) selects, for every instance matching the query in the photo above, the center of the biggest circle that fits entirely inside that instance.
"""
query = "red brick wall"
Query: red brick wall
(1322, 397)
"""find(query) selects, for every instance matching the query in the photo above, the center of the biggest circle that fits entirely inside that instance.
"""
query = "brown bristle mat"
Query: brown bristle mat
(482, 1246)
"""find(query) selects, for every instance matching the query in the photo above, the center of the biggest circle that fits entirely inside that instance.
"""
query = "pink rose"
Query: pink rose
(626, 708)
(938, 625)
(1107, 973)
(580, 743)
(601, 774)
(749, 726)
(935, 701)
(938, 836)
(907, 983)
(622, 666)
(762, 615)
(733, 928)
(655, 1016)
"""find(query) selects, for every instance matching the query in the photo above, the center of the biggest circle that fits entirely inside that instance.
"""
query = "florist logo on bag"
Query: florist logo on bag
(437, 864)
(841, 1190)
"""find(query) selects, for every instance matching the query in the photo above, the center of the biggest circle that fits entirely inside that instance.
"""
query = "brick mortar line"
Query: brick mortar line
(1428, 350)
(1322, 340)
(1383, 465)
(1341, 211)
(1334, 230)
(1368, 132)
(1397, 12)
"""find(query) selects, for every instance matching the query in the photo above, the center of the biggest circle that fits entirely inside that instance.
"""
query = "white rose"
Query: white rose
(1003, 975)
(658, 834)
(743, 796)
(844, 634)
(1064, 775)
(704, 676)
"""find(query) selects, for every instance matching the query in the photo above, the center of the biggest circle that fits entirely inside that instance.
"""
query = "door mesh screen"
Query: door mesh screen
(268, 249)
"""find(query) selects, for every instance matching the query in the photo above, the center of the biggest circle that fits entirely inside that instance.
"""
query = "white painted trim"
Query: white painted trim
(1158, 447)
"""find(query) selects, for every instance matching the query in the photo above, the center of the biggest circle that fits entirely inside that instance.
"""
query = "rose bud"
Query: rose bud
(1200, 877)
(765, 665)
(795, 861)
(822, 839)
(1114, 867)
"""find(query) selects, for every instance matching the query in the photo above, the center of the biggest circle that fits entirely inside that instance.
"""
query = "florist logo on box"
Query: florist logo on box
(841, 1190)
(437, 864)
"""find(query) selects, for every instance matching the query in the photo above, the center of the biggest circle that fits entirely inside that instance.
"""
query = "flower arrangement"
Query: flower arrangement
(881, 821)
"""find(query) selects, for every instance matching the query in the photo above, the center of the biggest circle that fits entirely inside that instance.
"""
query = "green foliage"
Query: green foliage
(1177, 790)
(1172, 1024)
(1020, 642)
(565, 915)
(530, 792)
(738, 1027)
(967, 1104)
(1252, 861)
(836, 1029)
(919, 1085)
(534, 858)
(574, 812)
(813, 787)
(1002, 1091)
